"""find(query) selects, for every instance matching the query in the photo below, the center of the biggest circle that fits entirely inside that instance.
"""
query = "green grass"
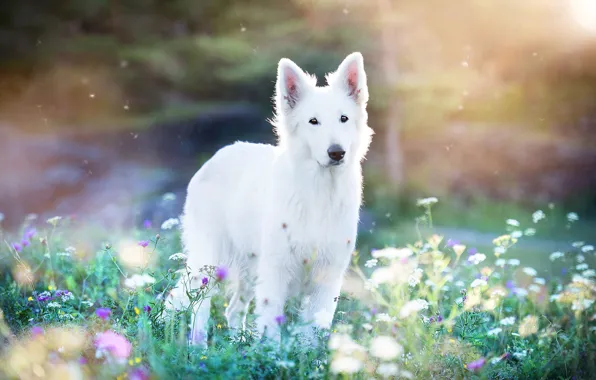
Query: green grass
(381, 326)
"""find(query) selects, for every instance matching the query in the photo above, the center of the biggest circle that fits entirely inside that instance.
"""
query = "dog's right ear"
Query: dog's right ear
(291, 84)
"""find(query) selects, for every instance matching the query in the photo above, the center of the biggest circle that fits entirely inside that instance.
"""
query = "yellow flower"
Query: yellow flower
(226, 304)
(130, 362)
(219, 325)
(50, 287)
(137, 360)
(449, 330)
(459, 249)
(203, 357)
(137, 311)
(30, 298)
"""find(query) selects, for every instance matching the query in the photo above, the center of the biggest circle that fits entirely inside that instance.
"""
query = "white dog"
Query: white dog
(279, 215)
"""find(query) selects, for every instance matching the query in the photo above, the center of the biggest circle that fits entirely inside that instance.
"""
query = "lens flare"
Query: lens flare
(584, 13)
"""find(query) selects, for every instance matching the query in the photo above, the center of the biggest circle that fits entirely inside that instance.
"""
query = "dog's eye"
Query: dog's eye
(314, 121)
(343, 118)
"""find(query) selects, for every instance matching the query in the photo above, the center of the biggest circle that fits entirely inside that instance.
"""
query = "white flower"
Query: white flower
(371, 263)
(580, 258)
(413, 280)
(387, 369)
(538, 216)
(540, 280)
(572, 217)
(577, 244)
(370, 285)
(323, 317)
(286, 364)
(530, 271)
(554, 297)
(556, 255)
(495, 331)
(54, 305)
(392, 253)
(427, 201)
(382, 275)
(582, 266)
(589, 273)
(579, 305)
(495, 360)
(87, 303)
(63, 254)
(512, 222)
(530, 232)
(54, 221)
(587, 248)
(385, 348)
(521, 354)
(513, 262)
(478, 282)
(384, 317)
(412, 307)
(460, 284)
(345, 364)
(138, 281)
(499, 250)
(367, 326)
(507, 321)
(500, 263)
(534, 288)
(178, 257)
(70, 250)
(517, 234)
(477, 258)
(520, 292)
(170, 223)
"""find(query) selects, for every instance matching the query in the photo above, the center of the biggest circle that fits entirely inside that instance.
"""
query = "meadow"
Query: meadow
(80, 302)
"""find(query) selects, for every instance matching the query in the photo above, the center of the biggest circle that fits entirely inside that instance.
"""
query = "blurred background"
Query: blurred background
(488, 105)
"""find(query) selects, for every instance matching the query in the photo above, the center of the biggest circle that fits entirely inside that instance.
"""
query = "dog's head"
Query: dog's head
(324, 124)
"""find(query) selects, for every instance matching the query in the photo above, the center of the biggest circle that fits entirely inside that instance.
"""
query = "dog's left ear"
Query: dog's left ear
(351, 77)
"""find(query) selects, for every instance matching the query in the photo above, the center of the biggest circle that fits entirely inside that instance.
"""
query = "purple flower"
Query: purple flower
(144, 243)
(564, 271)
(25, 243)
(432, 319)
(29, 233)
(451, 243)
(17, 247)
(280, 319)
(203, 366)
(221, 273)
(44, 296)
(60, 293)
(373, 311)
(476, 364)
(439, 318)
(510, 284)
(139, 373)
(147, 309)
(472, 251)
(147, 224)
(82, 360)
(205, 281)
(103, 313)
(36, 330)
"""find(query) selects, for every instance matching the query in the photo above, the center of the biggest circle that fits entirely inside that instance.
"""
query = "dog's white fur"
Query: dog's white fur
(264, 211)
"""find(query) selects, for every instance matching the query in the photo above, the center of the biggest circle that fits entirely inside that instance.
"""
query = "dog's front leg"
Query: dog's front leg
(272, 288)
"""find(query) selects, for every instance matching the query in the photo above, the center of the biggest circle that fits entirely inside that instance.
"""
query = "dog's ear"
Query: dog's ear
(292, 82)
(350, 76)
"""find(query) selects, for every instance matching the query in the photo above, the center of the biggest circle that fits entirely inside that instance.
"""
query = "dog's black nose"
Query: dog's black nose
(336, 152)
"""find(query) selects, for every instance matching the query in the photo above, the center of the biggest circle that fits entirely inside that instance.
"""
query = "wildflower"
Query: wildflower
(17, 247)
(205, 281)
(495, 331)
(345, 364)
(478, 282)
(499, 251)
(476, 365)
(178, 257)
(512, 222)
(103, 313)
(54, 305)
(36, 331)
(507, 321)
(384, 317)
(513, 262)
(30, 299)
(371, 263)
(530, 271)
(530, 232)
(54, 221)
(392, 253)
(520, 292)
(572, 217)
(538, 216)
(280, 319)
(138, 281)
(582, 266)
(387, 369)
(425, 202)
(385, 348)
(170, 223)
(517, 234)
(459, 249)
(539, 280)
(500, 263)
(581, 305)
(520, 354)
(451, 243)
(147, 309)
(589, 273)
(144, 243)
(528, 326)
(221, 273)
(477, 258)
(412, 307)
(147, 224)
(367, 326)
(577, 244)
(556, 255)
(112, 343)
(286, 364)
(139, 373)
(587, 248)
(534, 288)
(413, 280)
